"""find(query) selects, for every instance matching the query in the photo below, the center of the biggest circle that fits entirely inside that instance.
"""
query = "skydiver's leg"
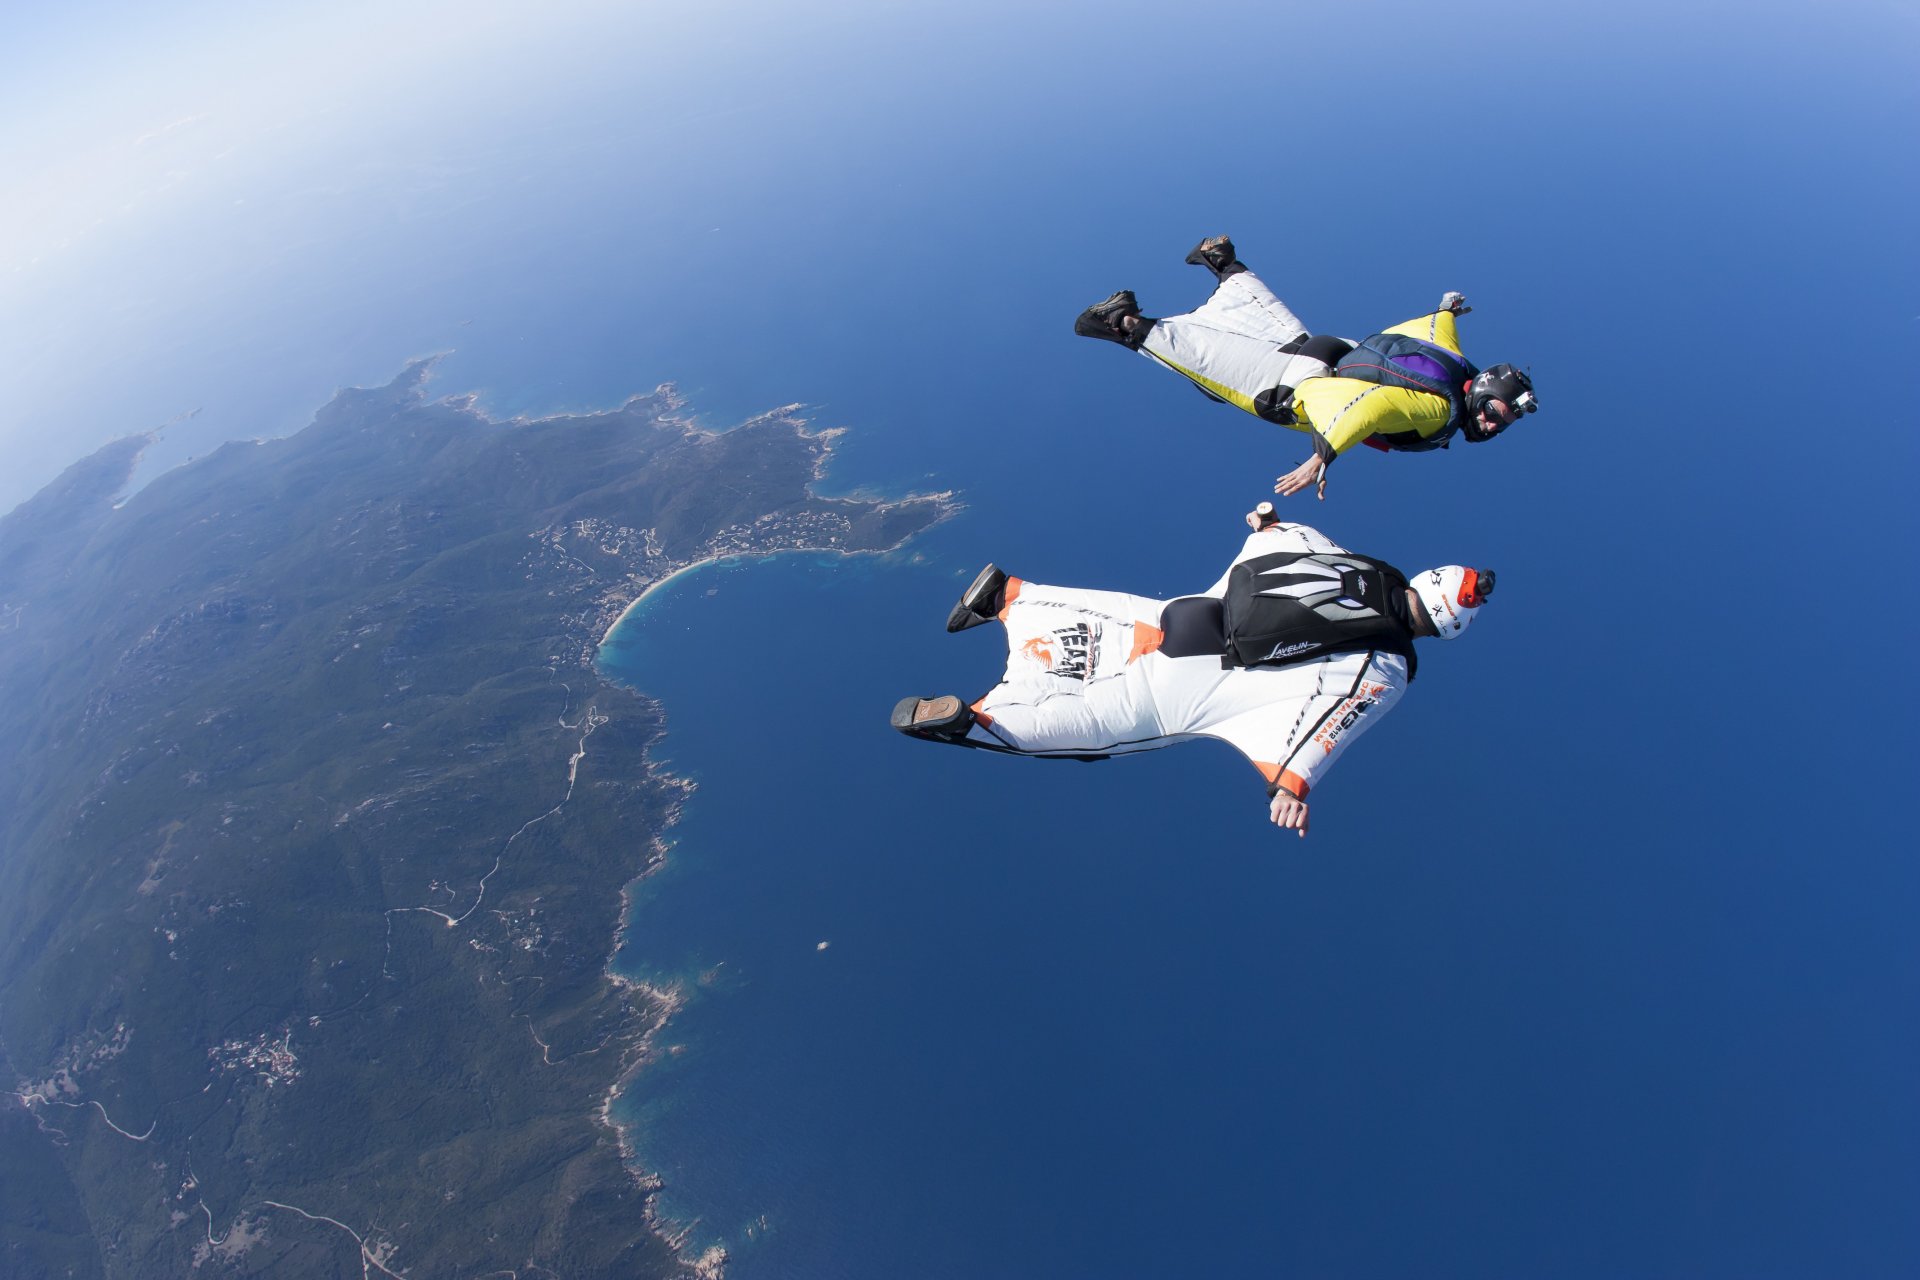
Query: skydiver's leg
(1243, 304)
(1237, 370)
(939, 719)
(1242, 347)
(1251, 374)
(1075, 634)
(981, 602)
(1066, 718)
(1068, 689)
(1064, 645)
(1116, 318)
(1217, 254)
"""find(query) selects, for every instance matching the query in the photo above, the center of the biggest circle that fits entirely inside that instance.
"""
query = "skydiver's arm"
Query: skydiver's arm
(1293, 741)
(1332, 721)
(1437, 327)
(1341, 412)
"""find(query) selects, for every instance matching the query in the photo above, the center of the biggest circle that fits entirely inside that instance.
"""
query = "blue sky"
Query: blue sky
(186, 185)
(1641, 999)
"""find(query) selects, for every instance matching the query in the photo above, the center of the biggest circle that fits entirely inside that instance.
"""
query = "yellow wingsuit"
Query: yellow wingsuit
(1344, 411)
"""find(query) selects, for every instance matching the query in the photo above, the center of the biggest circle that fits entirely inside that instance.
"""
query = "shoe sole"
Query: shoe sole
(929, 717)
(1109, 309)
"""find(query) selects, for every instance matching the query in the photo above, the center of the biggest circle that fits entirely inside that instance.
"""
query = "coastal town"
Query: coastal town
(617, 566)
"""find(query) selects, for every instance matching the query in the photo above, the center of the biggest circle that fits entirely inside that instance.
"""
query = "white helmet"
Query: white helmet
(1452, 594)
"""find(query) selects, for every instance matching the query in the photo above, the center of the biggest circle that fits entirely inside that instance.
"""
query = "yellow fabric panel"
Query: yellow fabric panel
(1346, 411)
(1439, 328)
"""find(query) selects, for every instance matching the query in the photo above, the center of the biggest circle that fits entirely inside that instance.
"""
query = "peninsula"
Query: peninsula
(315, 822)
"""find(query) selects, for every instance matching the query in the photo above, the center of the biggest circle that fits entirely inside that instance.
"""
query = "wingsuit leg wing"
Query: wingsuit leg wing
(1242, 342)
(1072, 685)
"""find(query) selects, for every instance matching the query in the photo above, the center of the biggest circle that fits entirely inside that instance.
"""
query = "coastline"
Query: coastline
(743, 557)
(667, 999)
(827, 527)
(658, 583)
(449, 615)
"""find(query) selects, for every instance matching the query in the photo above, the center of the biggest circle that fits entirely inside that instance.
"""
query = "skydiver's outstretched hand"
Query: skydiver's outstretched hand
(1313, 471)
(1289, 811)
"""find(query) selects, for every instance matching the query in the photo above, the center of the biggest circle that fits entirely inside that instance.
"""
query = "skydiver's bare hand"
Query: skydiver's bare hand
(1289, 812)
(1262, 517)
(1311, 472)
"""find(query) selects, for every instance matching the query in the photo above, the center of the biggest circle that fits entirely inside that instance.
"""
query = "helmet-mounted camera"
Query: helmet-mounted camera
(1507, 384)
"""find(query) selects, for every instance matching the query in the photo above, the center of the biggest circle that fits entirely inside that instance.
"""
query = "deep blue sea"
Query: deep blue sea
(1595, 964)
(1597, 961)
(1035, 1014)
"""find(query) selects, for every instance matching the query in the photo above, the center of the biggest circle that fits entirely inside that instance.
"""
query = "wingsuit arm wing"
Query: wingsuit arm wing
(1342, 412)
(1294, 741)
(1438, 327)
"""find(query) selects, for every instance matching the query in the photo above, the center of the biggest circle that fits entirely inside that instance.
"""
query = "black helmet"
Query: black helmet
(1503, 382)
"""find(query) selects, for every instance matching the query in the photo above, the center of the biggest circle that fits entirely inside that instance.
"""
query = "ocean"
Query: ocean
(951, 1015)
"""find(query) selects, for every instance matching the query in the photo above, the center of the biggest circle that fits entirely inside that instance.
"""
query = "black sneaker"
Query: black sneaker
(1111, 320)
(978, 605)
(942, 719)
(1216, 254)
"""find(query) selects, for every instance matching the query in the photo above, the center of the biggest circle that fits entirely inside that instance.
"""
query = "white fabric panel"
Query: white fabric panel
(1231, 340)
(1242, 304)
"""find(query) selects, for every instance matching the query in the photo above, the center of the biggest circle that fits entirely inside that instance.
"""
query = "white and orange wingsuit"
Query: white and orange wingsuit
(1086, 677)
